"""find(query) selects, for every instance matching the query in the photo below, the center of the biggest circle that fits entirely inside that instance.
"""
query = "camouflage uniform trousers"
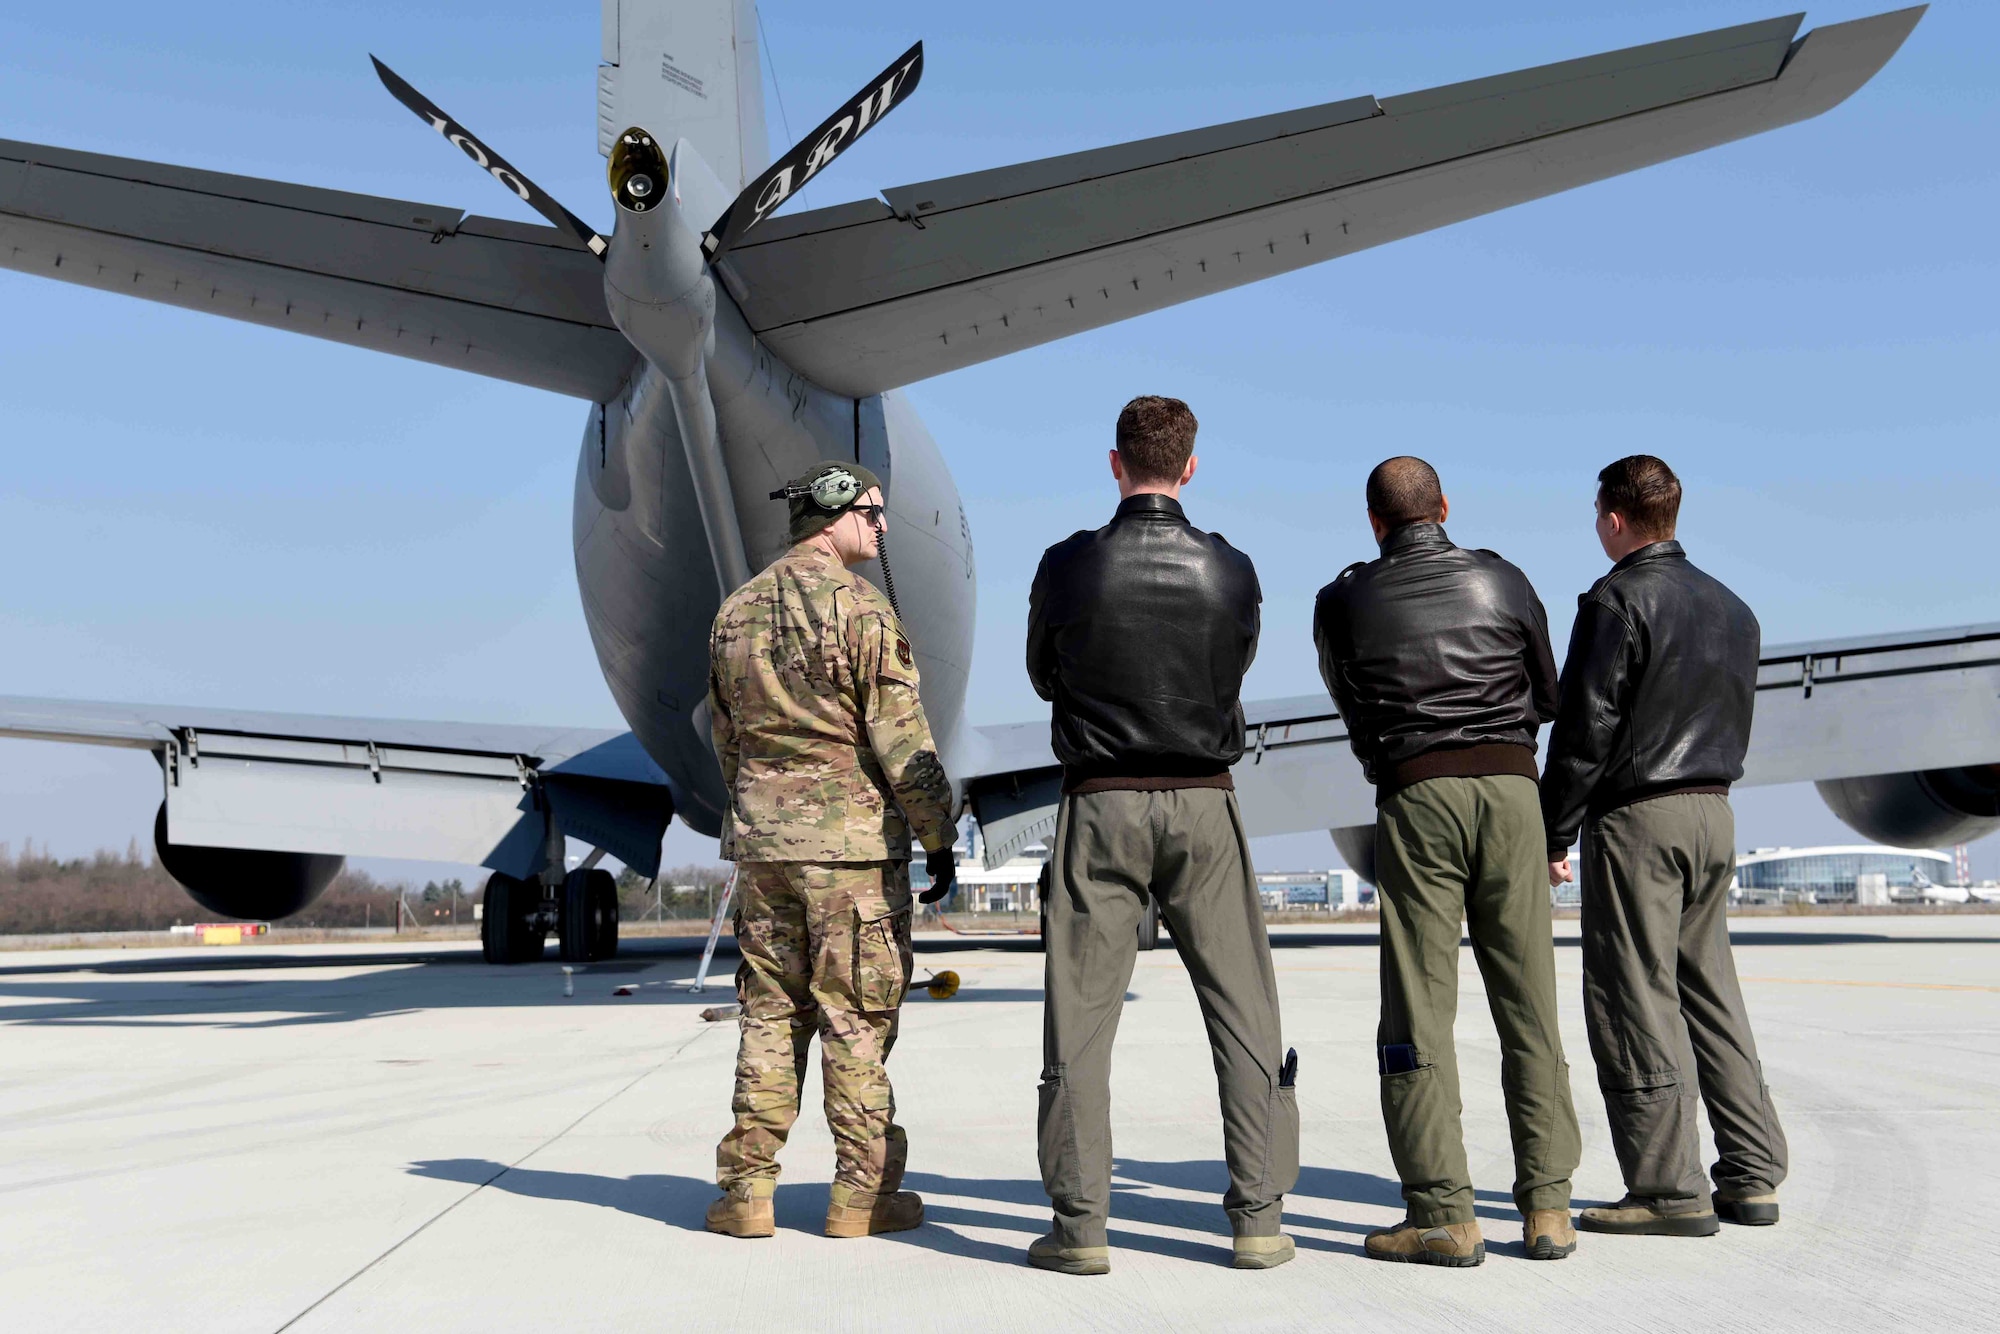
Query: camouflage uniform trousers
(826, 947)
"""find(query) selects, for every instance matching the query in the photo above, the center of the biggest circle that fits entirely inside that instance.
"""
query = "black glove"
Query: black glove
(943, 868)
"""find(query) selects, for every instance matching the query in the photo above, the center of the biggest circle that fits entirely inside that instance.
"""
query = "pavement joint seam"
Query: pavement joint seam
(422, 1227)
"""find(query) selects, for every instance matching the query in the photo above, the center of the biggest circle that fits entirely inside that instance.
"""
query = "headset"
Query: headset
(835, 490)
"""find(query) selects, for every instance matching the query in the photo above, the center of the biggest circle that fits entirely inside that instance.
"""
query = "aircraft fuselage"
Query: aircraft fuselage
(643, 561)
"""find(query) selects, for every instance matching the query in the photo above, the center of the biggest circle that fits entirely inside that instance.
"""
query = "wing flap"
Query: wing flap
(460, 792)
(1884, 704)
(497, 298)
(1838, 708)
(863, 300)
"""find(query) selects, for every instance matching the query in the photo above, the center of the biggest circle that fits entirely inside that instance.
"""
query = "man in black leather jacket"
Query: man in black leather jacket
(1651, 731)
(1438, 659)
(1139, 633)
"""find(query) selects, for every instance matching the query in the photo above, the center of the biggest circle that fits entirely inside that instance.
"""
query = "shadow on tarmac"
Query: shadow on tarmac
(289, 1000)
(1330, 1185)
(180, 990)
(679, 1201)
(1300, 940)
(633, 955)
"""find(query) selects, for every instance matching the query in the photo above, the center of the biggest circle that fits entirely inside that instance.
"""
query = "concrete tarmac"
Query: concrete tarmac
(339, 1139)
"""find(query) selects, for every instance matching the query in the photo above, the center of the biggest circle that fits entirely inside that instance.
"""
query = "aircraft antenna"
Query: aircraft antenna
(772, 60)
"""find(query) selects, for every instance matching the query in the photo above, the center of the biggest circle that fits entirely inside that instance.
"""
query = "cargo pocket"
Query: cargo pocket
(1420, 1120)
(1284, 1173)
(1062, 1159)
(882, 960)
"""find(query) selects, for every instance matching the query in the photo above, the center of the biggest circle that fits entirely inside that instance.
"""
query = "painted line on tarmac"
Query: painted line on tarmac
(1852, 982)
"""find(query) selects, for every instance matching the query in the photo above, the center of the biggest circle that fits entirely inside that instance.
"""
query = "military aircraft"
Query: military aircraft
(723, 345)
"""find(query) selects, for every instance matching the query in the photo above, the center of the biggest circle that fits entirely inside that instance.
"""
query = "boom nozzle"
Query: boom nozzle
(638, 172)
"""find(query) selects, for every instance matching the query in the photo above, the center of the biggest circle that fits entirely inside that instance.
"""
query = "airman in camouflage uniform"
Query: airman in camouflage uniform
(830, 769)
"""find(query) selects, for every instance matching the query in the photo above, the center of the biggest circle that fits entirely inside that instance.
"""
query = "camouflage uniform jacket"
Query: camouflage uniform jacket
(812, 699)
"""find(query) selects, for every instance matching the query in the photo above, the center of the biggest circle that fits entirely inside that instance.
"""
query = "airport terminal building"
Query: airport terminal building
(1858, 873)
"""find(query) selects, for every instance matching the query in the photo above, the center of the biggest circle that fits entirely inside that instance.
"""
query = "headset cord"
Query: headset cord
(888, 579)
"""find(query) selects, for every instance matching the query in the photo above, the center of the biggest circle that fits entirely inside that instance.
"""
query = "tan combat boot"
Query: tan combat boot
(854, 1213)
(1748, 1210)
(1454, 1245)
(745, 1210)
(1049, 1253)
(1263, 1252)
(1546, 1234)
(1635, 1218)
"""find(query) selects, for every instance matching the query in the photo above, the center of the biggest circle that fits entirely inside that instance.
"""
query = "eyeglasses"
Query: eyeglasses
(872, 513)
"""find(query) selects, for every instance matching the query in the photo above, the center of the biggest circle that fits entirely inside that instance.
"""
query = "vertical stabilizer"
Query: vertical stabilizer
(686, 69)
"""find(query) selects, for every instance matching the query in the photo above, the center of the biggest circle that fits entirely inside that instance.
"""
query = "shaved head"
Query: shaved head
(1405, 490)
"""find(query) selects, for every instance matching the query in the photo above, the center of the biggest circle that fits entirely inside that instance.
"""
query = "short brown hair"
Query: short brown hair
(1645, 491)
(1156, 439)
(1405, 490)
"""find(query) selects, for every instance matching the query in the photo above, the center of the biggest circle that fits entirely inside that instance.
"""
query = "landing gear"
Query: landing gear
(589, 923)
(1149, 925)
(514, 925)
(510, 929)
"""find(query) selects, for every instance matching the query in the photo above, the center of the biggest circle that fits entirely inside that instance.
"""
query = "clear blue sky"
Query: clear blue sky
(200, 511)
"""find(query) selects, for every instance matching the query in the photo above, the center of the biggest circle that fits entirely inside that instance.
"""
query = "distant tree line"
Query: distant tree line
(41, 894)
(682, 893)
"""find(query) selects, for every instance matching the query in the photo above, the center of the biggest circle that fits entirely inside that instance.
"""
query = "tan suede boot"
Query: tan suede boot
(1546, 1234)
(853, 1213)
(1636, 1218)
(1263, 1252)
(1049, 1253)
(745, 1210)
(1454, 1245)
(1748, 1210)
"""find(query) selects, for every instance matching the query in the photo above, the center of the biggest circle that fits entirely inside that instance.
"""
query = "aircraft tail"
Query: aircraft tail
(689, 69)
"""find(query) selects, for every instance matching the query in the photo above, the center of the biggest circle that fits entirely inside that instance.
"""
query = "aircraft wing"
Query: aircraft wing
(504, 299)
(460, 792)
(866, 296)
(1835, 708)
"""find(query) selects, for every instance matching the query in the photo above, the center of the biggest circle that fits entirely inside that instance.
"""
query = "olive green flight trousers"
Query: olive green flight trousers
(1186, 849)
(1470, 849)
(1664, 1010)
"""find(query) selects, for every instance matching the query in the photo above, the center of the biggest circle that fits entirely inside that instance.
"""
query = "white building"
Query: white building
(1860, 873)
(1857, 873)
(1339, 890)
(1010, 887)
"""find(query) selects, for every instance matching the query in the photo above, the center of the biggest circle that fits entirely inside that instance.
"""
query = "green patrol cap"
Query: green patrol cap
(823, 494)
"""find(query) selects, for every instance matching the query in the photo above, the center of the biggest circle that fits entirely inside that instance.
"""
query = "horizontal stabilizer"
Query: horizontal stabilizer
(504, 299)
(864, 297)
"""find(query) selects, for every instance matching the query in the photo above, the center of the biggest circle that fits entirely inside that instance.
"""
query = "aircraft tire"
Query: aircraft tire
(504, 934)
(1149, 925)
(589, 916)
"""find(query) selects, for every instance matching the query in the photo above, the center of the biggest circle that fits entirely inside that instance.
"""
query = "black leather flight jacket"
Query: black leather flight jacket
(1438, 658)
(1139, 633)
(1656, 693)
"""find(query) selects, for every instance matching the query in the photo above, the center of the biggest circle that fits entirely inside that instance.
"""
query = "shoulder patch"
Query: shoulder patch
(904, 655)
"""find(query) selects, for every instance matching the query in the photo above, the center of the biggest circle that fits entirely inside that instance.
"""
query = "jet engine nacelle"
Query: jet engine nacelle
(245, 882)
(1356, 845)
(1927, 809)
